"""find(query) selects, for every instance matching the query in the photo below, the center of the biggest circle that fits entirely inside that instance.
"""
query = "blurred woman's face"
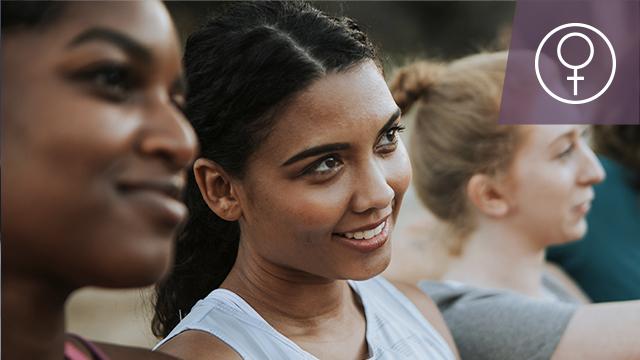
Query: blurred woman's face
(553, 173)
(322, 193)
(94, 145)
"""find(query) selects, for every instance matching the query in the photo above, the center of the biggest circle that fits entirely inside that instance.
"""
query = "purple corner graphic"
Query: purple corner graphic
(573, 62)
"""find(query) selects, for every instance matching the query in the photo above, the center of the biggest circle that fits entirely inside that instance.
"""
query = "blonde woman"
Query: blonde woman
(505, 193)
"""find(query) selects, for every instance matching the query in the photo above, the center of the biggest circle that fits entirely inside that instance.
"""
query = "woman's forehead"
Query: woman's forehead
(146, 22)
(342, 104)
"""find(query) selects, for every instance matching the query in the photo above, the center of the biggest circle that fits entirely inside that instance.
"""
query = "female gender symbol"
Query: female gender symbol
(575, 78)
(612, 52)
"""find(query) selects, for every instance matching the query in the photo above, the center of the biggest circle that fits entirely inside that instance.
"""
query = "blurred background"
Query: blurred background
(403, 31)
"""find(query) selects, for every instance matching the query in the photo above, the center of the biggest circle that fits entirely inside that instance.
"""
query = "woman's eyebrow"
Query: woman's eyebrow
(322, 149)
(133, 48)
(317, 150)
(390, 122)
(566, 135)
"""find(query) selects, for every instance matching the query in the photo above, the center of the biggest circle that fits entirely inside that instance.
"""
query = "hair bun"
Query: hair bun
(413, 82)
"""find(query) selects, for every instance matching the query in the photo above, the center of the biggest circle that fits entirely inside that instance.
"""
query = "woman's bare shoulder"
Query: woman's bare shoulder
(198, 345)
(114, 351)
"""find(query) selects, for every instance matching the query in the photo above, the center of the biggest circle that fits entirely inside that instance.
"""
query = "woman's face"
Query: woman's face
(322, 193)
(553, 173)
(94, 145)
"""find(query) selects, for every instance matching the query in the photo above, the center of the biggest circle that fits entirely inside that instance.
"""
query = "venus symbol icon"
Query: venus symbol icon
(575, 78)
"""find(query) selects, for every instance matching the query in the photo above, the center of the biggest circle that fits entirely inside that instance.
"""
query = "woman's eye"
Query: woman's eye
(391, 136)
(327, 166)
(567, 151)
(114, 81)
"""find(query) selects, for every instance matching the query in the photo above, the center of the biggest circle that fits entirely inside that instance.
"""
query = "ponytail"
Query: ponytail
(413, 82)
(455, 133)
(205, 253)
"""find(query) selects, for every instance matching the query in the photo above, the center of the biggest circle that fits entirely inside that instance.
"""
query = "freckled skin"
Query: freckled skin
(289, 219)
(542, 177)
(292, 261)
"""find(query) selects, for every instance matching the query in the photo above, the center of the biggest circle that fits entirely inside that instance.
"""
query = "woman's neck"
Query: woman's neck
(499, 257)
(33, 319)
(295, 303)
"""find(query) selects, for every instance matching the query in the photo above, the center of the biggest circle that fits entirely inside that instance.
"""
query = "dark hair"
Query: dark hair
(622, 144)
(30, 14)
(241, 67)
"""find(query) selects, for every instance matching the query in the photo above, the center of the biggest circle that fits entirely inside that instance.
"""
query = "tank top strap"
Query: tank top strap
(395, 329)
(395, 326)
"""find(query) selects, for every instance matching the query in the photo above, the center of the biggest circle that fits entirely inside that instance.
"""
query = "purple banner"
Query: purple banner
(573, 62)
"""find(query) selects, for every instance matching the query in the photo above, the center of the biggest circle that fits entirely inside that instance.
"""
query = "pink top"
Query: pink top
(71, 351)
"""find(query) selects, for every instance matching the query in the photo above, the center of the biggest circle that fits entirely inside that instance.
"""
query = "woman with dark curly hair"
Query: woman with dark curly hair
(294, 198)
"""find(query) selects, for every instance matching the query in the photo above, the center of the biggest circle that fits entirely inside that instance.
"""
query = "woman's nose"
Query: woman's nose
(170, 136)
(592, 171)
(372, 190)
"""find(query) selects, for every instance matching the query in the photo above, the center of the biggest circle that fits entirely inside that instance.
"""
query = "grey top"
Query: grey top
(499, 324)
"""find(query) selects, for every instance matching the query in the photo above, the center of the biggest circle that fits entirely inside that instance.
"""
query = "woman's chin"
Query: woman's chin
(372, 267)
(131, 273)
(574, 232)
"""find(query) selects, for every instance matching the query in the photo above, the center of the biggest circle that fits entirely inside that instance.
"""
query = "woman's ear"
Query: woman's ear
(217, 189)
(488, 195)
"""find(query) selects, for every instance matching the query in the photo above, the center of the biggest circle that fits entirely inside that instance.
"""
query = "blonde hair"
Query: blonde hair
(456, 133)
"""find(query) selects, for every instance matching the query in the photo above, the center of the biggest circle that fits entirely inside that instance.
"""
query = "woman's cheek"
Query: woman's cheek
(319, 205)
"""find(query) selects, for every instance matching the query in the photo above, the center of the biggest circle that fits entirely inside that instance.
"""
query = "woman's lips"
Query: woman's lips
(365, 245)
(366, 227)
(583, 208)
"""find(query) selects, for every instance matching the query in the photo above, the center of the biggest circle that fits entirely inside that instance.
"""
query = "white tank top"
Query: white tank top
(395, 327)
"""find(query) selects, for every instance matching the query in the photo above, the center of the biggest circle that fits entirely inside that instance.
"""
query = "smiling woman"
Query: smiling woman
(94, 146)
(294, 198)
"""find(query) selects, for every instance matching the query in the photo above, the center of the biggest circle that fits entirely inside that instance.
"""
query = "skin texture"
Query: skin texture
(543, 200)
(97, 146)
(561, 174)
(553, 165)
(290, 252)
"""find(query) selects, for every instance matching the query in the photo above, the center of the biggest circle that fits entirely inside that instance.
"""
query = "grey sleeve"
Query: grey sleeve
(500, 325)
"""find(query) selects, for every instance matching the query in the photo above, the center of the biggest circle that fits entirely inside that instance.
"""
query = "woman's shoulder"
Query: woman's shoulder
(78, 347)
(495, 324)
(420, 299)
(562, 286)
(197, 345)
(398, 291)
(427, 309)
(120, 352)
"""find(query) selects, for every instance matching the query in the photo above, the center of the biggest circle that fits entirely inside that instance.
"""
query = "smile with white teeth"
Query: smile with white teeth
(365, 235)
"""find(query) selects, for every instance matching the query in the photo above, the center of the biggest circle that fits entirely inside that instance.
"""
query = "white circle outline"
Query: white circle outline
(561, 99)
(559, 51)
